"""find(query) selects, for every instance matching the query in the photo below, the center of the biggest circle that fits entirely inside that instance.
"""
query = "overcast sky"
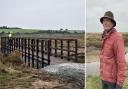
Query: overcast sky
(43, 14)
(95, 10)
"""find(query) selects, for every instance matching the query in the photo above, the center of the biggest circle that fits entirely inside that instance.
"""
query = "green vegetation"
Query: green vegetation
(94, 39)
(37, 31)
(18, 30)
(93, 82)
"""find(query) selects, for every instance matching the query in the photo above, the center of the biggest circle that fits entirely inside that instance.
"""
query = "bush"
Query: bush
(93, 40)
(93, 82)
(13, 58)
(7, 62)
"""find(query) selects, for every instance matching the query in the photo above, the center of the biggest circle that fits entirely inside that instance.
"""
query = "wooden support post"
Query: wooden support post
(25, 46)
(5, 49)
(9, 40)
(32, 52)
(9, 43)
(61, 41)
(37, 53)
(55, 48)
(22, 47)
(49, 51)
(46, 47)
(1, 44)
(28, 52)
(42, 52)
(14, 44)
(76, 50)
(19, 44)
(17, 41)
(68, 50)
(4, 44)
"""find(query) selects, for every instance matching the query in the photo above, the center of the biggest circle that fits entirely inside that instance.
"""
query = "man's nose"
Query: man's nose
(105, 23)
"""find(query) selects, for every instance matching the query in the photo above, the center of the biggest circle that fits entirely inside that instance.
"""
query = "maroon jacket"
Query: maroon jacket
(112, 58)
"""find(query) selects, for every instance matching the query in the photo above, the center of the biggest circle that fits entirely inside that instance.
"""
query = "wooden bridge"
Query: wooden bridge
(39, 52)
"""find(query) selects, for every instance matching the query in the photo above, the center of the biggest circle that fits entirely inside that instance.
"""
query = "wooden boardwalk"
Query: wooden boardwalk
(42, 51)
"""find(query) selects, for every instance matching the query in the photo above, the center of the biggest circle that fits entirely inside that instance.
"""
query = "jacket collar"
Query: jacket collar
(107, 34)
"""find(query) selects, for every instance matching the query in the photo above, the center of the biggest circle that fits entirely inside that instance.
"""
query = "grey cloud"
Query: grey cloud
(96, 9)
(43, 14)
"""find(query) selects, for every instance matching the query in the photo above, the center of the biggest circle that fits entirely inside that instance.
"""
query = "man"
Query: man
(10, 41)
(10, 35)
(112, 54)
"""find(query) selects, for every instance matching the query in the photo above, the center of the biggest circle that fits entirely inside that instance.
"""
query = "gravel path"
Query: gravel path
(69, 71)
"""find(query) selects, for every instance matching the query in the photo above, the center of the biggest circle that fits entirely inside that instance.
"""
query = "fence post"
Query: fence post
(61, 49)
(14, 44)
(5, 45)
(19, 44)
(32, 45)
(37, 53)
(1, 44)
(17, 41)
(25, 49)
(68, 49)
(55, 48)
(76, 50)
(45, 47)
(22, 47)
(9, 44)
(29, 52)
(42, 52)
(10, 41)
(49, 51)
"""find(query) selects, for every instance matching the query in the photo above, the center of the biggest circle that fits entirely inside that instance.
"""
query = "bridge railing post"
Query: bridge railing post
(55, 48)
(32, 46)
(37, 53)
(76, 50)
(29, 51)
(42, 52)
(19, 43)
(9, 44)
(1, 43)
(25, 49)
(68, 49)
(5, 45)
(49, 51)
(22, 47)
(14, 44)
(61, 42)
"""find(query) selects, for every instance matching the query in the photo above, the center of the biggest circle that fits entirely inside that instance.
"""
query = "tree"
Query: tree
(2, 32)
(66, 30)
(61, 29)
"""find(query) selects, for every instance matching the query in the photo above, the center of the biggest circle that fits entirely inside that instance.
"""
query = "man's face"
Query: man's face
(107, 24)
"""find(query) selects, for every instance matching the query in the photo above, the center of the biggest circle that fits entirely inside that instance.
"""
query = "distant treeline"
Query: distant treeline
(58, 31)
(5, 27)
(94, 39)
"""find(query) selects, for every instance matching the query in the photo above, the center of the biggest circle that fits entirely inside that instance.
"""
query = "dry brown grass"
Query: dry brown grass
(93, 43)
(94, 39)
(15, 75)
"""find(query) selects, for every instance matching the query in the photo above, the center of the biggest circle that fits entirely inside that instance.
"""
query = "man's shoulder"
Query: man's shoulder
(117, 35)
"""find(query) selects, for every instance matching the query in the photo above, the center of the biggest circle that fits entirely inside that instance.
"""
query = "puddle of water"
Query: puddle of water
(92, 68)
